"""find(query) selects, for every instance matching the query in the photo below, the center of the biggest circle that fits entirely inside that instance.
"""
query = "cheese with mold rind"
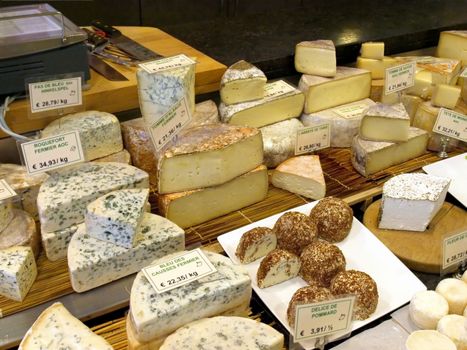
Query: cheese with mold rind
(383, 122)
(316, 57)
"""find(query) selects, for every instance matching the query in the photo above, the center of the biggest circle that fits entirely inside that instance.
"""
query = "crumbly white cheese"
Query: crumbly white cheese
(55, 243)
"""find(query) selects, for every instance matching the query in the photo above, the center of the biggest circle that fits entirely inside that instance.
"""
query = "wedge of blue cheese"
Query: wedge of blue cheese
(18, 272)
(116, 216)
(55, 243)
(63, 197)
(153, 316)
(93, 262)
(56, 328)
(6, 213)
(99, 132)
(223, 332)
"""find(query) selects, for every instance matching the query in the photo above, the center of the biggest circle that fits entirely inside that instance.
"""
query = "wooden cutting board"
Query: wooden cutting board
(420, 251)
(117, 96)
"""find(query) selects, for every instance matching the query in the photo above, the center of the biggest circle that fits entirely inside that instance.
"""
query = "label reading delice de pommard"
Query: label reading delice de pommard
(52, 152)
(312, 138)
(163, 64)
(399, 77)
(454, 250)
(5, 190)
(178, 271)
(323, 318)
(55, 94)
(452, 124)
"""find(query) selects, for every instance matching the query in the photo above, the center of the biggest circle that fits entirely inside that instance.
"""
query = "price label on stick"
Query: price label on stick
(452, 124)
(5, 190)
(399, 77)
(55, 94)
(454, 250)
(312, 138)
(167, 63)
(176, 272)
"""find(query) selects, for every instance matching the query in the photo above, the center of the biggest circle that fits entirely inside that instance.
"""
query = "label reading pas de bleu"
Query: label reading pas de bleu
(399, 77)
(5, 190)
(55, 94)
(166, 63)
(452, 124)
(52, 152)
(323, 318)
(277, 88)
(176, 272)
(312, 138)
(350, 112)
(454, 250)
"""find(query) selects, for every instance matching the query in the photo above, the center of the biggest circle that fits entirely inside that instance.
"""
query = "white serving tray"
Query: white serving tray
(454, 168)
(362, 250)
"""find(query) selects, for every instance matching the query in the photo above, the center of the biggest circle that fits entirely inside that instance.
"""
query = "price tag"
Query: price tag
(170, 124)
(176, 272)
(399, 77)
(5, 190)
(350, 112)
(277, 88)
(452, 124)
(454, 250)
(324, 318)
(55, 94)
(464, 73)
(312, 138)
(166, 63)
(52, 152)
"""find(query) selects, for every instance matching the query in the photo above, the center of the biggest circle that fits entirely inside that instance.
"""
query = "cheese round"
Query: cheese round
(453, 326)
(429, 340)
(455, 292)
(464, 276)
(427, 308)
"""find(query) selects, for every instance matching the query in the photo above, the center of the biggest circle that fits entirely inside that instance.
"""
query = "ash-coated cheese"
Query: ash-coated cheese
(116, 216)
(93, 262)
(57, 329)
(242, 82)
(63, 197)
(317, 57)
(384, 122)
(120, 157)
(225, 333)
(410, 201)
(281, 101)
(6, 214)
(99, 132)
(21, 231)
(18, 272)
(55, 243)
(156, 315)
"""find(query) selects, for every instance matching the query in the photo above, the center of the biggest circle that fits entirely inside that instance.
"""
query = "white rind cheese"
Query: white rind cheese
(156, 315)
(18, 272)
(281, 101)
(55, 243)
(99, 132)
(455, 292)
(454, 327)
(63, 197)
(429, 340)
(316, 57)
(426, 308)
(116, 216)
(93, 262)
(56, 328)
(6, 214)
(242, 82)
(374, 50)
(224, 333)
(452, 44)
(383, 122)
(410, 201)
(21, 232)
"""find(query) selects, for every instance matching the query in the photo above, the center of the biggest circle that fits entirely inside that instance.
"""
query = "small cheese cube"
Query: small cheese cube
(374, 50)
(385, 123)
(452, 43)
(376, 67)
(445, 96)
(316, 57)
(423, 84)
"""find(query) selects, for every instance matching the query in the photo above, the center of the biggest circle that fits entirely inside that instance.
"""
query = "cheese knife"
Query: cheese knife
(105, 69)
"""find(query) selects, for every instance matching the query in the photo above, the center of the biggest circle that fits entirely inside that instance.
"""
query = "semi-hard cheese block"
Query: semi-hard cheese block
(281, 101)
(154, 315)
(56, 328)
(21, 231)
(410, 201)
(344, 120)
(411, 104)
(385, 123)
(445, 96)
(18, 272)
(93, 262)
(116, 216)
(369, 157)
(423, 84)
(443, 70)
(242, 82)
(207, 156)
(301, 175)
(63, 197)
(208, 203)
(6, 213)
(452, 43)
(279, 141)
(99, 132)
(372, 49)
(55, 243)
(348, 85)
(377, 67)
(223, 332)
(377, 93)
(316, 57)
(120, 157)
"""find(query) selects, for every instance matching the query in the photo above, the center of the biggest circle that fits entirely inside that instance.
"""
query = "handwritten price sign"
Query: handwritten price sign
(167, 63)
(55, 94)
(399, 77)
(454, 250)
(312, 138)
(452, 124)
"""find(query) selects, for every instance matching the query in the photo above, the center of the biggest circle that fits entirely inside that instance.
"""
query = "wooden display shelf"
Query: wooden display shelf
(117, 96)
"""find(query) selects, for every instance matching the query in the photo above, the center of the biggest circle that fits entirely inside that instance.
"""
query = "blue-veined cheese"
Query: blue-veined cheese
(57, 329)
(6, 213)
(18, 272)
(93, 262)
(63, 197)
(99, 132)
(154, 316)
(55, 243)
(116, 216)
(21, 231)
(225, 333)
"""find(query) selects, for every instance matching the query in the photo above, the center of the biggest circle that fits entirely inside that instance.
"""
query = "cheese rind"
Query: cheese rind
(120, 157)
(316, 57)
(208, 203)
(57, 328)
(443, 70)
(156, 315)
(377, 67)
(21, 231)
(55, 243)
(374, 50)
(411, 104)
(99, 132)
(223, 332)
(453, 326)
(6, 214)
(348, 85)
(426, 308)
(429, 340)
(383, 122)
(18, 272)
(63, 197)
(93, 262)
(452, 43)
(445, 96)
(455, 292)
